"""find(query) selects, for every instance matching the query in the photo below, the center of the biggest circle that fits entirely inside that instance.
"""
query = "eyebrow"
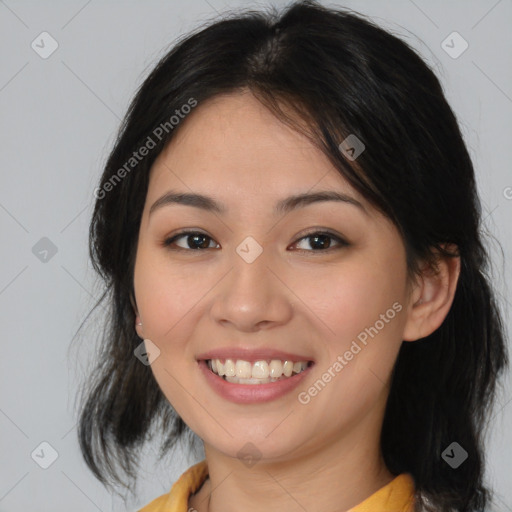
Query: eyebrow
(283, 206)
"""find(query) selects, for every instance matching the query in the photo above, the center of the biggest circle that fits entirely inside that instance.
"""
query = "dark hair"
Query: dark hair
(341, 74)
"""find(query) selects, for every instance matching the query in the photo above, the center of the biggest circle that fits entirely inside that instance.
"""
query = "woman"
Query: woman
(356, 378)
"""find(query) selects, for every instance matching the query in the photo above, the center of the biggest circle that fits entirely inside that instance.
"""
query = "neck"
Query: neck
(339, 477)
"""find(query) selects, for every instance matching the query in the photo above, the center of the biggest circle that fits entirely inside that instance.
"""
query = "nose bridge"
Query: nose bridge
(251, 274)
(252, 294)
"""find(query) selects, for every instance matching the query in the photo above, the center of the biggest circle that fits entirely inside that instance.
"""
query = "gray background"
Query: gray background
(58, 120)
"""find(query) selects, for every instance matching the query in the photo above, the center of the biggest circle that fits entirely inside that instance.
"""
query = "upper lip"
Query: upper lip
(251, 355)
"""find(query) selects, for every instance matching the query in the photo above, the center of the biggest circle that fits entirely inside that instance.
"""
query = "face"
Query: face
(320, 282)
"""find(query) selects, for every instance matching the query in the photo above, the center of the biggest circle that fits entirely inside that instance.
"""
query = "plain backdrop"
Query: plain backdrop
(59, 116)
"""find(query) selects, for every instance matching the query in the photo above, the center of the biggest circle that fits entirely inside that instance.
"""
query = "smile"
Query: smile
(239, 371)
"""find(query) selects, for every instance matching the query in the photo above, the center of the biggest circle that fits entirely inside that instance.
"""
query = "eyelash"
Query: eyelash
(342, 243)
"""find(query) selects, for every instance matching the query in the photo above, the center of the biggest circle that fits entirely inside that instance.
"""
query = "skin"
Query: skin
(313, 302)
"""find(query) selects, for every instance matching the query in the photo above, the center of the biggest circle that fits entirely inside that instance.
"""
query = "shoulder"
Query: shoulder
(177, 499)
(397, 496)
(157, 505)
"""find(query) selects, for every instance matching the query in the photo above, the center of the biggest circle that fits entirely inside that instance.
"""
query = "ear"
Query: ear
(138, 328)
(432, 296)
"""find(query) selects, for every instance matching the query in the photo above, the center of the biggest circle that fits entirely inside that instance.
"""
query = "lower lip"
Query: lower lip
(251, 393)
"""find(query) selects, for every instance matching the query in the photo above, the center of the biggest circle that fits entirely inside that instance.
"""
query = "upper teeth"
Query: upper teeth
(273, 369)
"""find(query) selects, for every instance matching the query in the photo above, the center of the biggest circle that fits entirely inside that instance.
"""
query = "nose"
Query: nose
(253, 296)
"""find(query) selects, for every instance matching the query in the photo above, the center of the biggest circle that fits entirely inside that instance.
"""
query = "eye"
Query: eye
(321, 241)
(194, 240)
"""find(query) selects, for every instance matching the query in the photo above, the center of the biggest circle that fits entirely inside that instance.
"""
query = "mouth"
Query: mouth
(264, 371)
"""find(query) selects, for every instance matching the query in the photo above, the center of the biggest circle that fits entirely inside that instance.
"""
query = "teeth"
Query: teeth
(276, 368)
(236, 380)
(287, 368)
(243, 369)
(260, 372)
(229, 368)
(297, 367)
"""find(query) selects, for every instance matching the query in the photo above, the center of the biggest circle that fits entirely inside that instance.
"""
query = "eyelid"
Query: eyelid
(342, 242)
(168, 240)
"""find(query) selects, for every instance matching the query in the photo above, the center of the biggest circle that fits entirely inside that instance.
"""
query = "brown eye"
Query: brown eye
(319, 241)
(194, 240)
(322, 241)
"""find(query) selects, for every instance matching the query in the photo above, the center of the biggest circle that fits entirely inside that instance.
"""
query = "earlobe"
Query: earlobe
(138, 321)
(138, 326)
(432, 297)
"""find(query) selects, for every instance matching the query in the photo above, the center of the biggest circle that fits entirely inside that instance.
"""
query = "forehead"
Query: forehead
(234, 147)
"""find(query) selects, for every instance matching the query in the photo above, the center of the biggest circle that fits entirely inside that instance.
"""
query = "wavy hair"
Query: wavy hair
(339, 74)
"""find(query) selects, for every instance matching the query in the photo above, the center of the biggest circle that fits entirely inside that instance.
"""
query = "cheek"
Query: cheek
(164, 297)
(351, 297)
(164, 294)
(362, 305)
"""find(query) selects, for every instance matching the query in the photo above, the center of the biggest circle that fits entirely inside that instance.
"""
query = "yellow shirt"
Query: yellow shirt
(397, 496)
